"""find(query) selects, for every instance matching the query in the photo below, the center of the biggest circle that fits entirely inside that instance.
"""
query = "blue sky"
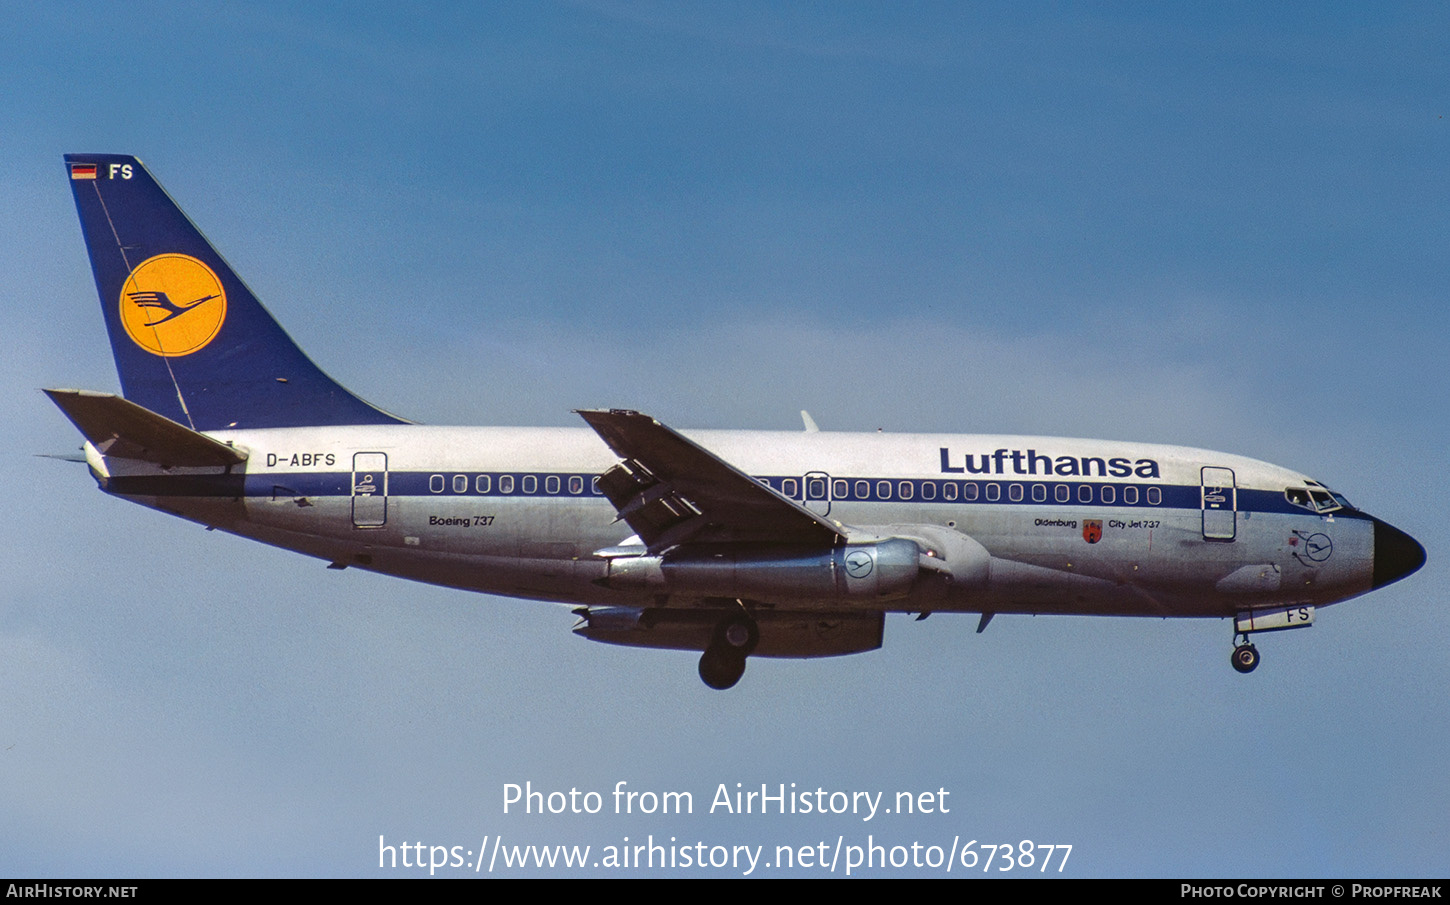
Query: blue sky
(1219, 227)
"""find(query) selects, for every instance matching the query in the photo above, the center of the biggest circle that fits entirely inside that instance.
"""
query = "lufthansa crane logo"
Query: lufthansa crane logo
(1318, 547)
(858, 564)
(172, 305)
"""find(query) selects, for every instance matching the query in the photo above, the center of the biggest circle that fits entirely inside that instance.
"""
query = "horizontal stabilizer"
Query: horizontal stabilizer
(63, 457)
(118, 427)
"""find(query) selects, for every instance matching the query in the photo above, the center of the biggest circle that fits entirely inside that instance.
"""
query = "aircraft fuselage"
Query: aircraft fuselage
(1072, 526)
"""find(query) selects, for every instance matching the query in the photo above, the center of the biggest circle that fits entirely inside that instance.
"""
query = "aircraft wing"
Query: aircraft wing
(670, 489)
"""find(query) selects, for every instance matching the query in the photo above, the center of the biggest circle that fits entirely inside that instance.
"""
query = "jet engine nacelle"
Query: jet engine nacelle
(958, 567)
(781, 634)
(879, 570)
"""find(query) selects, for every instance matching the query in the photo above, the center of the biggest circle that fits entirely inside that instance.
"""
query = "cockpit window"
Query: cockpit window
(1316, 498)
(1323, 502)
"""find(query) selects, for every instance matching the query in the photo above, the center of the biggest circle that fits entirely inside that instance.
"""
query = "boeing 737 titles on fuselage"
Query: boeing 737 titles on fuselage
(731, 543)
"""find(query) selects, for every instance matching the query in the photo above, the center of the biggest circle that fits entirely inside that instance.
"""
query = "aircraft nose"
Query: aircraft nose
(1396, 554)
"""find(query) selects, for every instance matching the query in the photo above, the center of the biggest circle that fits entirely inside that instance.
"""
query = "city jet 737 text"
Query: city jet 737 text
(730, 543)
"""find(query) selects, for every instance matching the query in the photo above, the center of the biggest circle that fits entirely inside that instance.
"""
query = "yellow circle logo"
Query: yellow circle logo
(172, 305)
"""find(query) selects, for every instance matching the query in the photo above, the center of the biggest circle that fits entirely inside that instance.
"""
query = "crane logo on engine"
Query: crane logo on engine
(858, 564)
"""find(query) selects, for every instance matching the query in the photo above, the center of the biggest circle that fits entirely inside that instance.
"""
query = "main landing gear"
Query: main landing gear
(723, 662)
(1245, 657)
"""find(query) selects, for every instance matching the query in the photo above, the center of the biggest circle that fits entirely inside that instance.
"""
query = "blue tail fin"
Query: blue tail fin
(191, 341)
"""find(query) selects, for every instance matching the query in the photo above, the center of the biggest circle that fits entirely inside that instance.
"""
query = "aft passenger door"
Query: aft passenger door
(369, 489)
(1220, 504)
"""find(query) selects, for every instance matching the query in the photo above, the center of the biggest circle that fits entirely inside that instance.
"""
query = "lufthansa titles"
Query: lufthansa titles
(1031, 462)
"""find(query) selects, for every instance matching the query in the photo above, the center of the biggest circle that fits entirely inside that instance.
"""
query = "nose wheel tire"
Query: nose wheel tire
(1245, 658)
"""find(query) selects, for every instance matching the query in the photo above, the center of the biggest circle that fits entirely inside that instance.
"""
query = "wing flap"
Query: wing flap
(121, 428)
(670, 490)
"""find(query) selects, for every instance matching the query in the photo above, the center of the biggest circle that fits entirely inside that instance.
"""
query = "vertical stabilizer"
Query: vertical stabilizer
(190, 339)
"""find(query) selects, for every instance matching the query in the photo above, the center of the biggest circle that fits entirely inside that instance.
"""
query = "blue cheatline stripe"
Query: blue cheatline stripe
(924, 492)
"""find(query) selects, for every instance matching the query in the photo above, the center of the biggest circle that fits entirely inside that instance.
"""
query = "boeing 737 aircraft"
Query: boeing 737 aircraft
(732, 543)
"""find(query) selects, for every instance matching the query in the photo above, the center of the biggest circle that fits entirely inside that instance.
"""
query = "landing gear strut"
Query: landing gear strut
(723, 662)
(1245, 656)
(1280, 618)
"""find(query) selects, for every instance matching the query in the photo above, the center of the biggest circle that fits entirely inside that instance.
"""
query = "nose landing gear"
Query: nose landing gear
(1245, 657)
